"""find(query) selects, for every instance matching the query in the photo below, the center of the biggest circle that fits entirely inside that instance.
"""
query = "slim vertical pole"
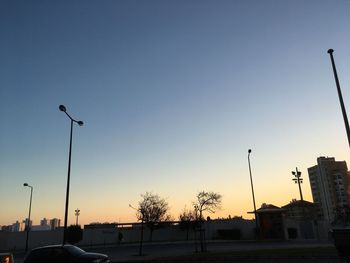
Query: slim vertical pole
(141, 238)
(28, 224)
(251, 184)
(68, 180)
(346, 122)
(299, 181)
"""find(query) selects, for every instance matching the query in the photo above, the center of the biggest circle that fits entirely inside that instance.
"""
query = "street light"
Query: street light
(77, 213)
(30, 209)
(140, 210)
(345, 117)
(251, 184)
(298, 180)
(80, 123)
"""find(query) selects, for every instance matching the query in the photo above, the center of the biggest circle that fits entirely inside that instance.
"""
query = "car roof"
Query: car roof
(52, 246)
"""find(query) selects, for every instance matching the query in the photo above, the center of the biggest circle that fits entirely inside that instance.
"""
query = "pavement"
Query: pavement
(158, 251)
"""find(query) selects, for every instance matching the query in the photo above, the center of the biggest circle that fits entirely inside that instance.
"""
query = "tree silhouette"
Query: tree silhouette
(152, 209)
(187, 220)
(206, 201)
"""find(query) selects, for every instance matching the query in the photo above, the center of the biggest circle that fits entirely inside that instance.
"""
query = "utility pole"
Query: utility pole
(298, 180)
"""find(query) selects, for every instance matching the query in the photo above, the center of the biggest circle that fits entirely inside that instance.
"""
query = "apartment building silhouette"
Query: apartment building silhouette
(330, 181)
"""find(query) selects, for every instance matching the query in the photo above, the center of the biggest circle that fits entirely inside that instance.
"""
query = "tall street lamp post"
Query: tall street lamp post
(30, 209)
(252, 186)
(346, 122)
(80, 123)
(140, 210)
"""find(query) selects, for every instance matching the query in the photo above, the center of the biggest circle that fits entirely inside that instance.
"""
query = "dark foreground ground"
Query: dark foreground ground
(219, 251)
(321, 255)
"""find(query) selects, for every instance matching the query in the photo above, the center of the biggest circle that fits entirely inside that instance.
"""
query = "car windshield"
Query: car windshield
(74, 250)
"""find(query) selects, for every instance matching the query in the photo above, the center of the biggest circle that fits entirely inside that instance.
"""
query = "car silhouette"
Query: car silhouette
(63, 254)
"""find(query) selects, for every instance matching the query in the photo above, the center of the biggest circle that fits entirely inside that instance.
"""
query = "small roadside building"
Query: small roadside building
(296, 220)
(270, 221)
(301, 220)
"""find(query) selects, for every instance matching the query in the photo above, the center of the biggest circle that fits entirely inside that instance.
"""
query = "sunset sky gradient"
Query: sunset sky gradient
(172, 94)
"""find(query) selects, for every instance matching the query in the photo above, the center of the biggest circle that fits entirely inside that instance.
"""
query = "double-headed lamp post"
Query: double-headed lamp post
(80, 123)
(252, 186)
(30, 209)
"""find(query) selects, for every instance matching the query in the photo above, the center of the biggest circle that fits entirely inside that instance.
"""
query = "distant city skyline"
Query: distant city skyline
(21, 225)
(172, 95)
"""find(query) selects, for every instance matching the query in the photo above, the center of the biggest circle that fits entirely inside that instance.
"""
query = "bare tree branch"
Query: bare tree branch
(152, 209)
(207, 201)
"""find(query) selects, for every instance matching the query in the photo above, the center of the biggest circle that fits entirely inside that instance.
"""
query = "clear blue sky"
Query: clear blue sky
(173, 94)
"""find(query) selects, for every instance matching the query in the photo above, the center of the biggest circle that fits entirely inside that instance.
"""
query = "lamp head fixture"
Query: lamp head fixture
(62, 108)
